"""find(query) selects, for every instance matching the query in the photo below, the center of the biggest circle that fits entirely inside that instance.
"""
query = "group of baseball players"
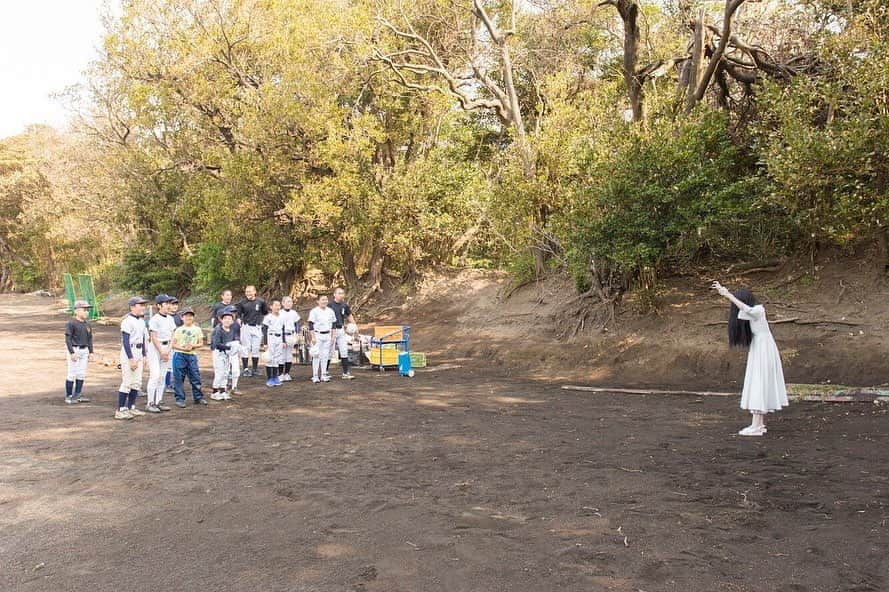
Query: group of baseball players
(249, 330)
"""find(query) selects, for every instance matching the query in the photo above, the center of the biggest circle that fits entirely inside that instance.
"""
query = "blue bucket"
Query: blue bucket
(404, 364)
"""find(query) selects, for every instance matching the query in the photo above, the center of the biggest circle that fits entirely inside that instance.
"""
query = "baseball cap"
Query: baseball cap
(82, 304)
(225, 310)
(173, 299)
(163, 298)
(136, 300)
(186, 310)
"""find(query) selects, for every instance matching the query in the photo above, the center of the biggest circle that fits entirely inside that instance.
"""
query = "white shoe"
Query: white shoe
(285, 378)
(316, 380)
(122, 414)
(135, 411)
(752, 431)
(226, 396)
(325, 378)
(218, 396)
(348, 376)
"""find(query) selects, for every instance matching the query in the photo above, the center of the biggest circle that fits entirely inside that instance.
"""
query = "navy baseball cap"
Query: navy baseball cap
(82, 304)
(186, 310)
(226, 310)
(163, 298)
(173, 299)
(136, 300)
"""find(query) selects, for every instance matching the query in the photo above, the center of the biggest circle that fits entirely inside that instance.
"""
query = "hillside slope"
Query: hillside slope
(830, 324)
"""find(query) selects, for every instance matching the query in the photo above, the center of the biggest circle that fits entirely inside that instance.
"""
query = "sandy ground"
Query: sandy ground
(469, 477)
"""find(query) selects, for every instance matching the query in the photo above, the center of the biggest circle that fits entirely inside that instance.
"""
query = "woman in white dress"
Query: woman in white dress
(764, 390)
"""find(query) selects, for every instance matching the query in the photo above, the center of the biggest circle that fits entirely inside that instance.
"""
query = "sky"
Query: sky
(45, 45)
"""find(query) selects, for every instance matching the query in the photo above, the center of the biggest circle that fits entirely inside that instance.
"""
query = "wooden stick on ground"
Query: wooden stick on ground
(828, 395)
(629, 391)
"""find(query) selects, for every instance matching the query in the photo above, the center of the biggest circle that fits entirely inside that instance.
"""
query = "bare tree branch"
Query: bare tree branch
(731, 7)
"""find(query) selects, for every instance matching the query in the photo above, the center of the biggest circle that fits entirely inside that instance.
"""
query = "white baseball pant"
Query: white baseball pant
(234, 352)
(221, 366)
(251, 340)
(131, 380)
(341, 342)
(319, 364)
(276, 346)
(77, 369)
(157, 375)
(288, 350)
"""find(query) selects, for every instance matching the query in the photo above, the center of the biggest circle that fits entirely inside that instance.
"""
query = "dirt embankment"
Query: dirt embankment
(830, 322)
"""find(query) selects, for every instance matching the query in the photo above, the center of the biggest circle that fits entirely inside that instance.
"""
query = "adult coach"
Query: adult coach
(251, 311)
(344, 317)
(225, 300)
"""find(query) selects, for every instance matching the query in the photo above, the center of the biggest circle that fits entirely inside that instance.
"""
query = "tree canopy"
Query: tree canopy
(274, 142)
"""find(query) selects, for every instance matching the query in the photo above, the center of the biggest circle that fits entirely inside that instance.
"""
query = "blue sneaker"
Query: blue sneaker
(277, 381)
(270, 382)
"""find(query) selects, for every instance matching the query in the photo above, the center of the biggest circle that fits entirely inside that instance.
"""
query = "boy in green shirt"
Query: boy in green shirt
(186, 339)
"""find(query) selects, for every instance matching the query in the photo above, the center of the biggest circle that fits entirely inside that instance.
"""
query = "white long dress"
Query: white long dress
(764, 389)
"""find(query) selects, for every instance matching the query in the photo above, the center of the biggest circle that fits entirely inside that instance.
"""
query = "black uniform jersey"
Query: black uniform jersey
(252, 312)
(214, 312)
(342, 312)
(78, 334)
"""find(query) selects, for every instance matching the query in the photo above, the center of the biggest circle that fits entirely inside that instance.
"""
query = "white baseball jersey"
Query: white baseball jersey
(291, 318)
(135, 328)
(163, 325)
(275, 323)
(322, 319)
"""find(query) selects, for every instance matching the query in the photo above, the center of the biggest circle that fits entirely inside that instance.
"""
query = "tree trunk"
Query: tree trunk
(539, 260)
(349, 273)
(883, 246)
(374, 276)
(697, 94)
(696, 62)
(629, 12)
(517, 120)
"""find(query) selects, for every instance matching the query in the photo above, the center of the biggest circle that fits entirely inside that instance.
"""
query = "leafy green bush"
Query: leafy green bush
(152, 272)
(650, 201)
(825, 139)
(209, 269)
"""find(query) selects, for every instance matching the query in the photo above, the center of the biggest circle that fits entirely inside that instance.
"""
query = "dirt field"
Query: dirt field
(469, 477)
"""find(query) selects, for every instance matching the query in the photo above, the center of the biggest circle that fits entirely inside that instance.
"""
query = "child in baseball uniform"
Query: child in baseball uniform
(291, 330)
(79, 341)
(133, 335)
(221, 343)
(251, 310)
(273, 342)
(187, 339)
(234, 350)
(225, 300)
(160, 353)
(177, 322)
(321, 322)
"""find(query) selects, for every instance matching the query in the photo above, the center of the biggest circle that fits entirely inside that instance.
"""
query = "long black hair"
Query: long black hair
(739, 333)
